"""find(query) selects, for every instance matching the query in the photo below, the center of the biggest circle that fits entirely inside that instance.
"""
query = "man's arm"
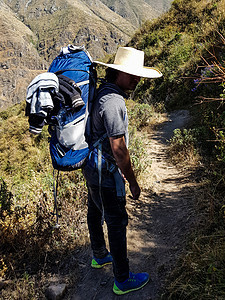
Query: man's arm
(122, 157)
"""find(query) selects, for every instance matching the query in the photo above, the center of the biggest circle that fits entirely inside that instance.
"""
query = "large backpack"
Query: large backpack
(68, 143)
(69, 126)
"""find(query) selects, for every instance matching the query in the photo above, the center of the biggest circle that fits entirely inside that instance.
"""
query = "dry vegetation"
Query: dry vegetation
(32, 250)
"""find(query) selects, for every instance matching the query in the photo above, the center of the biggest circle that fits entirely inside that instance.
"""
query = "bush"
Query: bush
(27, 222)
(137, 152)
(140, 115)
(183, 145)
(5, 199)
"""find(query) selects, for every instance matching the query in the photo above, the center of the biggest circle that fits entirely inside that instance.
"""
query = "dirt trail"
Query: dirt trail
(158, 224)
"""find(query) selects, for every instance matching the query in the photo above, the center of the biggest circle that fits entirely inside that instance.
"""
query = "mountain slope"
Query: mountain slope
(136, 12)
(42, 27)
(57, 23)
(23, 48)
(101, 25)
(18, 57)
(160, 6)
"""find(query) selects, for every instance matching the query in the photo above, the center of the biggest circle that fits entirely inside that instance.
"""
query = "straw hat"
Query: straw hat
(131, 61)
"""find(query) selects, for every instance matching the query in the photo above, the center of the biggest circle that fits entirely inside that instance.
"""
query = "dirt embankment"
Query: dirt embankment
(159, 223)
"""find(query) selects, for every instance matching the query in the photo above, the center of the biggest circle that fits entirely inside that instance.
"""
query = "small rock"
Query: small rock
(104, 282)
(56, 292)
(81, 264)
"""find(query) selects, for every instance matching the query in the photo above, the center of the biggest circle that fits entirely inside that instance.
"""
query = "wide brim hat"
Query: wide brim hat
(131, 61)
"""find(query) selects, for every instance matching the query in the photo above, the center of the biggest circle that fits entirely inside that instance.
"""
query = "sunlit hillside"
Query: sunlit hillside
(176, 43)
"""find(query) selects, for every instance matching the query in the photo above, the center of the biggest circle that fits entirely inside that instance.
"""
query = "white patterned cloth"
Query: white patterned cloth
(38, 93)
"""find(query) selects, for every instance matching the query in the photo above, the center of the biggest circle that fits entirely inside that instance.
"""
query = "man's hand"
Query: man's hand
(135, 191)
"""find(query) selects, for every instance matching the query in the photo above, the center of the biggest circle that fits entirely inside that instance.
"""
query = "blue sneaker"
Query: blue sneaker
(133, 283)
(98, 263)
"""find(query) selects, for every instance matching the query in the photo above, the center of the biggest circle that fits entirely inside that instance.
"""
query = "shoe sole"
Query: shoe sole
(100, 266)
(117, 291)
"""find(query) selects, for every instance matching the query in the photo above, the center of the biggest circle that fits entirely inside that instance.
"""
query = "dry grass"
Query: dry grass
(200, 271)
(32, 250)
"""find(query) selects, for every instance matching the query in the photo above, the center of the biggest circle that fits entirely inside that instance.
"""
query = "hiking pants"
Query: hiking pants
(116, 219)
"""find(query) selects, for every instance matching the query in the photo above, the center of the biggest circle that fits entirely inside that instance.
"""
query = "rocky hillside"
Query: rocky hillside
(101, 25)
(59, 22)
(136, 12)
(19, 59)
(33, 31)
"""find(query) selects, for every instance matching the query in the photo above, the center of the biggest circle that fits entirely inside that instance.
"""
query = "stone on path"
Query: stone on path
(56, 291)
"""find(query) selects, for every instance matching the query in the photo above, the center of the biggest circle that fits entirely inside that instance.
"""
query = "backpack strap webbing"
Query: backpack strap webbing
(113, 169)
(98, 145)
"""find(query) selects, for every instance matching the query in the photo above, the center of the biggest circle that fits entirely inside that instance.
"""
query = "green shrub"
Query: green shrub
(137, 152)
(183, 145)
(140, 114)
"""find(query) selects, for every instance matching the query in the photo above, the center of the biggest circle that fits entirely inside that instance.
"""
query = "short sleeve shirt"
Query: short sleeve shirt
(109, 115)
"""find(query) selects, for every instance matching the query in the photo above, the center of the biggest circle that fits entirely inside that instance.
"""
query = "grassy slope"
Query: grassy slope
(29, 245)
(175, 44)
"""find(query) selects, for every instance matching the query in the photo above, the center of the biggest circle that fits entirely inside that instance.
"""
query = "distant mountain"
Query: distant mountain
(33, 31)
(101, 25)
(60, 22)
(138, 11)
(160, 6)
(19, 59)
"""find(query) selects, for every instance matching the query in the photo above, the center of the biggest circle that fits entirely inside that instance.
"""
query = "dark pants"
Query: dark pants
(116, 219)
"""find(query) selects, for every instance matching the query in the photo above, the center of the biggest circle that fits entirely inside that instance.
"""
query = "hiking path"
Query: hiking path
(159, 223)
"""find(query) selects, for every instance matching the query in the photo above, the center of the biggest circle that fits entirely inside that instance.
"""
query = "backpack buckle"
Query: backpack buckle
(112, 168)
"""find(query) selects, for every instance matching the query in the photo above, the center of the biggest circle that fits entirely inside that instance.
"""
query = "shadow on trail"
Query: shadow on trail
(162, 224)
(165, 222)
(159, 223)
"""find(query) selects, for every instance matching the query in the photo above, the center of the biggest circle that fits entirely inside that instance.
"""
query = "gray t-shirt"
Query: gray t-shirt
(109, 115)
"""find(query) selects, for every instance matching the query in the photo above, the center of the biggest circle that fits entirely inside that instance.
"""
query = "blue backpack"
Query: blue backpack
(67, 112)
(63, 98)
(69, 137)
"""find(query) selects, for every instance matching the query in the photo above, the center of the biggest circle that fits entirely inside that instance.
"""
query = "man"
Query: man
(109, 163)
